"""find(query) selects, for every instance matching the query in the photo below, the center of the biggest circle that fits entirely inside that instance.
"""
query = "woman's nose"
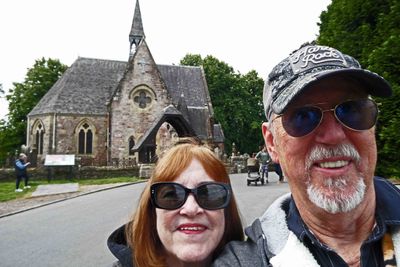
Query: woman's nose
(191, 207)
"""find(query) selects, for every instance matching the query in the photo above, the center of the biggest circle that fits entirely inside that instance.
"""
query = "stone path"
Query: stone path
(53, 189)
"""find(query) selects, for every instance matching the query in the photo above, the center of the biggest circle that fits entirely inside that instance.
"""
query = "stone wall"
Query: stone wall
(63, 173)
(66, 136)
(67, 128)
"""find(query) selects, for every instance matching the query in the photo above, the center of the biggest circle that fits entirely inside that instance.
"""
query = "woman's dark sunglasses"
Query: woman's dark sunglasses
(357, 115)
(209, 195)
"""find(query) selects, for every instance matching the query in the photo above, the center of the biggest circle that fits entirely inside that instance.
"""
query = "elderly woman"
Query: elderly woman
(186, 213)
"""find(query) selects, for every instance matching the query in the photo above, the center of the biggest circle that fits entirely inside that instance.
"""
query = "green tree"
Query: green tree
(22, 98)
(369, 30)
(236, 99)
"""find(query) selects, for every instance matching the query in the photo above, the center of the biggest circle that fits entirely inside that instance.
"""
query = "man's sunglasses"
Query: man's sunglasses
(357, 115)
(209, 195)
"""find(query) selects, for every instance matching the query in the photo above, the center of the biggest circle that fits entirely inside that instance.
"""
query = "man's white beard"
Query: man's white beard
(337, 201)
(332, 196)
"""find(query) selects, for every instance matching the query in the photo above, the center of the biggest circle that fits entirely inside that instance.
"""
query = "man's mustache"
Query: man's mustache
(320, 152)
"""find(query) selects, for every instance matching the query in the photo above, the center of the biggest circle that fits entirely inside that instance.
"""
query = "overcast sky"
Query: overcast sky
(247, 35)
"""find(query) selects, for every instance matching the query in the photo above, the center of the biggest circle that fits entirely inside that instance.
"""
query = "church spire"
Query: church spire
(137, 33)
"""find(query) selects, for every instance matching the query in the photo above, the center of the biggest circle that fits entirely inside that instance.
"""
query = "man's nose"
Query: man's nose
(330, 131)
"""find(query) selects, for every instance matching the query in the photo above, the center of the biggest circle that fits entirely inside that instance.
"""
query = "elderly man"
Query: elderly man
(321, 129)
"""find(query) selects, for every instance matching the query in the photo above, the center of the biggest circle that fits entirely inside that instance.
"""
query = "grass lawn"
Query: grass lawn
(7, 189)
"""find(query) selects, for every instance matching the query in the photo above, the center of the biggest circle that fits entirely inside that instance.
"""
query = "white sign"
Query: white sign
(59, 160)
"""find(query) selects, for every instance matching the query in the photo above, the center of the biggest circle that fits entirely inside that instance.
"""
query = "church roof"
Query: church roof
(186, 80)
(87, 86)
(84, 88)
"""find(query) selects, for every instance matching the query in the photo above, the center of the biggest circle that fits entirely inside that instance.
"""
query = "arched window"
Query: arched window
(38, 132)
(85, 139)
(131, 145)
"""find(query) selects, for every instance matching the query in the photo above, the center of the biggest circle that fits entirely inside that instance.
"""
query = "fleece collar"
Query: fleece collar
(288, 250)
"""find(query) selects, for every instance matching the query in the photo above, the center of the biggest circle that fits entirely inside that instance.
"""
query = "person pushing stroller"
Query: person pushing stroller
(264, 159)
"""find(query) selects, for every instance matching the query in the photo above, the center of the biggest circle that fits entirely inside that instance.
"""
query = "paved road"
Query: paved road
(74, 232)
(254, 200)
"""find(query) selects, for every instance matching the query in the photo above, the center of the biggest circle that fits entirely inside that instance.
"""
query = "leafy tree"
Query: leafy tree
(22, 98)
(236, 99)
(250, 115)
(369, 30)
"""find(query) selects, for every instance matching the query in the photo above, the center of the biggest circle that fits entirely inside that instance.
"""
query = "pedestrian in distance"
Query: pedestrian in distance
(21, 165)
(320, 128)
(186, 213)
(264, 159)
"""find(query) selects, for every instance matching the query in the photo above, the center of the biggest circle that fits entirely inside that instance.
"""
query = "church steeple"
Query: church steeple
(137, 33)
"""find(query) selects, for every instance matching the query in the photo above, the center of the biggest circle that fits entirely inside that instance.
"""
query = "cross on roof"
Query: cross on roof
(142, 63)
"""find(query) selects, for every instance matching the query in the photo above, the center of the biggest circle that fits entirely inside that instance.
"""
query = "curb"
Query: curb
(67, 198)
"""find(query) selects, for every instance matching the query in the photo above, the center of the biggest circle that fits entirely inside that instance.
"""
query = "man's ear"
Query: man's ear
(269, 142)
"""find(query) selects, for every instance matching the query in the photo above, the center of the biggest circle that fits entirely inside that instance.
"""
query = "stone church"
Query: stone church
(105, 110)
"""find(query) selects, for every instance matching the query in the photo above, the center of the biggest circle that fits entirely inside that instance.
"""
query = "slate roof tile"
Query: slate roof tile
(88, 84)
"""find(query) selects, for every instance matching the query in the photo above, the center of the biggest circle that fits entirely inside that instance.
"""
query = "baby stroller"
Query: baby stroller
(253, 172)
